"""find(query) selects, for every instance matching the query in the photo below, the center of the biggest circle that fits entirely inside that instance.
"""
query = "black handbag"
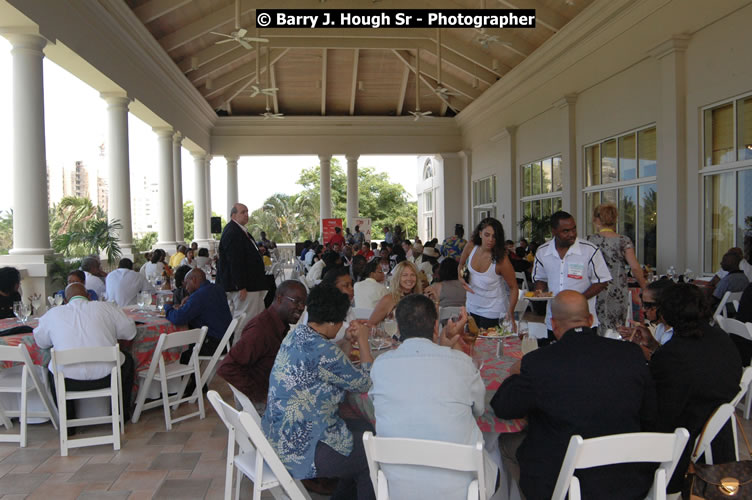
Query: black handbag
(721, 481)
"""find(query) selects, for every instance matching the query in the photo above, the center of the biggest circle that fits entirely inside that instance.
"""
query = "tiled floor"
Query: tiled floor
(187, 462)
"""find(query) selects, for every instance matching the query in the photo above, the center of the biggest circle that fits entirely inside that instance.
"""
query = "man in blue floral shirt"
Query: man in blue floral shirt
(308, 382)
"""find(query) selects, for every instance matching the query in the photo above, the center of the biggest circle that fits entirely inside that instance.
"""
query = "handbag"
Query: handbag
(721, 481)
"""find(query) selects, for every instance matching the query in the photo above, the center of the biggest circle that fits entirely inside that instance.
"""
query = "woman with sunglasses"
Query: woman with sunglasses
(659, 333)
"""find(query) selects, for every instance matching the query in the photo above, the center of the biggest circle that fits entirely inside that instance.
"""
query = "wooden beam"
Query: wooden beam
(409, 61)
(204, 56)
(544, 16)
(323, 82)
(221, 62)
(155, 9)
(403, 90)
(354, 86)
(213, 22)
(241, 73)
(451, 82)
(273, 80)
(510, 42)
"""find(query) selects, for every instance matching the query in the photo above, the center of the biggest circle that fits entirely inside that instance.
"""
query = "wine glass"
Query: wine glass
(523, 330)
(689, 275)
(17, 309)
(147, 298)
(36, 303)
(390, 327)
(160, 303)
(25, 311)
(141, 301)
(58, 300)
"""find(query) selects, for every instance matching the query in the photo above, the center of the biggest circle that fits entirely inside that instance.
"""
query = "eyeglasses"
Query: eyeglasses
(649, 305)
(297, 302)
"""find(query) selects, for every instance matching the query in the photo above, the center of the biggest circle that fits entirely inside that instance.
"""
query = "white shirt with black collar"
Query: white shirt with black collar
(582, 265)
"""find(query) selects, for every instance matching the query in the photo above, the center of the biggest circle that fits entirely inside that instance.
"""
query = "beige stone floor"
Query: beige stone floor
(187, 462)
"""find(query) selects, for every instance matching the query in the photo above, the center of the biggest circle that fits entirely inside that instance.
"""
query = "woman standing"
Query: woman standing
(404, 282)
(617, 249)
(489, 266)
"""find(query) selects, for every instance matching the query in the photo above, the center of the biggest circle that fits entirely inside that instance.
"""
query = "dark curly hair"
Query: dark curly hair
(326, 304)
(372, 266)
(499, 251)
(331, 276)
(9, 278)
(448, 270)
(658, 288)
(685, 308)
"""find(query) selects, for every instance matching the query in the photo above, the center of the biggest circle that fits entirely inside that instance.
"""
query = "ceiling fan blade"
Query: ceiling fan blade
(228, 40)
(241, 32)
(244, 44)
(225, 35)
(256, 39)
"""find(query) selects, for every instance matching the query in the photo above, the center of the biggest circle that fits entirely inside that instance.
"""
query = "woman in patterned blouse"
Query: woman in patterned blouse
(308, 382)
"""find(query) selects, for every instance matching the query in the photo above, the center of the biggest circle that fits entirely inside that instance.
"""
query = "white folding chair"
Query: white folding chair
(16, 381)
(256, 458)
(715, 423)
(362, 312)
(728, 297)
(744, 330)
(211, 367)
(245, 403)
(521, 276)
(114, 392)
(619, 449)
(171, 371)
(522, 302)
(437, 454)
(537, 330)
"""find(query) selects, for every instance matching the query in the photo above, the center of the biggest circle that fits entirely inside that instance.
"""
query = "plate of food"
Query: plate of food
(538, 295)
(495, 333)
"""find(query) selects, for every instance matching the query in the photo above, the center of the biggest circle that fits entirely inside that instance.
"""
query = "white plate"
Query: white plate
(497, 336)
(538, 299)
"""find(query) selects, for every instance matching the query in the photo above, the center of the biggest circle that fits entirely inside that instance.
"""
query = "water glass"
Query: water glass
(25, 312)
(522, 329)
(160, 303)
(141, 301)
(36, 302)
(17, 309)
(58, 300)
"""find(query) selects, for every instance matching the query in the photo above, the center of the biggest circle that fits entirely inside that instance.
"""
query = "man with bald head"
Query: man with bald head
(582, 384)
(205, 305)
(240, 270)
(81, 323)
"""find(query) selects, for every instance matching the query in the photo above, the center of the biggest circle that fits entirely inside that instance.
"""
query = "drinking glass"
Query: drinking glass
(689, 275)
(160, 303)
(36, 303)
(58, 300)
(141, 301)
(390, 327)
(522, 329)
(17, 309)
(25, 311)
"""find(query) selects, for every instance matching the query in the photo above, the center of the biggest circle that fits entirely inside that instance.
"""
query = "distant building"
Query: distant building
(76, 181)
(145, 206)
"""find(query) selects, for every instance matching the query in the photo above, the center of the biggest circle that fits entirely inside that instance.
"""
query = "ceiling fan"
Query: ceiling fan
(418, 114)
(484, 39)
(239, 34)
(256, 89)
(440, 90)
(271, 91)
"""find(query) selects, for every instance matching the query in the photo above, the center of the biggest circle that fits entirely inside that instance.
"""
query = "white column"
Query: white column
(325, 199)
(570, 191)
(119, 168)
(671, 180)
(177, 175)
(232, 182)
(200, 229)
(166, 222)
(208, 212)
(352, 191)
(31, 234)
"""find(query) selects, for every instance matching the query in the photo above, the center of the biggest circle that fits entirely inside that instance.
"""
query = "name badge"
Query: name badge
(575, 271)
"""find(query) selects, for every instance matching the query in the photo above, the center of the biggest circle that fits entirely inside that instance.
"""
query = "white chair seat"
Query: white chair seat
(172, 370)
(246, 462)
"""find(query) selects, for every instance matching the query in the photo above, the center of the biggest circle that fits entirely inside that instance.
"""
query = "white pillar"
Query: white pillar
(325, 199)
(177, 175)
(31, 228)
(208, 212)
(352, 191)
(166, 222)
(232, 182)
(570, 192)
(200, 229)
(118, 170)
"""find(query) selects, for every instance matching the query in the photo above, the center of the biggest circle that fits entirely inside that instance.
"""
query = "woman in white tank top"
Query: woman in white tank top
(493, 285)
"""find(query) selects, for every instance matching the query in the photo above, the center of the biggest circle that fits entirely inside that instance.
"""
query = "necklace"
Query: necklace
(606, 230)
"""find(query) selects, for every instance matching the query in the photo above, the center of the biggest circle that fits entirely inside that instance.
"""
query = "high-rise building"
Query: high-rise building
(76, 181)
(145, 206)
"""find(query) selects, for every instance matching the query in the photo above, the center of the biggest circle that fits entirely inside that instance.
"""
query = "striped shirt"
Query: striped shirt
(582, 266)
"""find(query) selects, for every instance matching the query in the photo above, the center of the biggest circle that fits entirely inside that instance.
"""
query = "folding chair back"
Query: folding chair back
(618, 449)
(256, 459)
(11, 383)
(522, 302)
(114, 392)
(362, 312)
(437, 454)
(715, 423)
(246, 404)
(161, 372)
(728, 297)
(743, 386)
(521, 276)
(211, 367)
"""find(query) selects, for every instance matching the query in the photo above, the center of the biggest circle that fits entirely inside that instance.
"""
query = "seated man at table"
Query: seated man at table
(248, 364)
(82, 323)
(205, 305)
(124, 284)
(582, 384)
(95, 275)
(428, 389)
(78, 276)
(734, 281)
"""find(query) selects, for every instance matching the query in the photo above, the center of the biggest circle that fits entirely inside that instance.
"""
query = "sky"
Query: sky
(75, 127)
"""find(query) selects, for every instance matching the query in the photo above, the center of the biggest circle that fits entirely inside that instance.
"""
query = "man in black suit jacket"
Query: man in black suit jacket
(240, 270)
(582, 384)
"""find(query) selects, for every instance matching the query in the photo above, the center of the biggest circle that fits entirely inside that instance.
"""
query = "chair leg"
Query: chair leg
(140, 399)
(166, 403)
(115, 399)
(7, 422)
(199, 389)
(24, 410)
(62, 405)
(238, 480)
(230, 465)
(747, 402)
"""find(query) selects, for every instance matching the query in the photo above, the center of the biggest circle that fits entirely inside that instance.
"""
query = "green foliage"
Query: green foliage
(59, 269)
(145, 242)
(536, 229)
(286, 218)
(187, 221)
(6, 231)
(78, 228)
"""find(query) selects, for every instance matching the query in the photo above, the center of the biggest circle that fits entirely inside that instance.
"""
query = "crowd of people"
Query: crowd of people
(303, 347)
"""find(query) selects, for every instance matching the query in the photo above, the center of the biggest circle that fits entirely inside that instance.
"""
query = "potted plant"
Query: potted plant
(537, 229)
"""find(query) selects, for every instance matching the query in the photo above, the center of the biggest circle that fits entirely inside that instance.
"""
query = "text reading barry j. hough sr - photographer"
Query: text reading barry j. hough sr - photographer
(371, 18)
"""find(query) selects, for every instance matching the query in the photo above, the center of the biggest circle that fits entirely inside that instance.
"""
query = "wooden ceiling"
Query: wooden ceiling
(341, 72)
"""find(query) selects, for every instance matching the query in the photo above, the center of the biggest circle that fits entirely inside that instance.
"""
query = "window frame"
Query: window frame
(489, 206)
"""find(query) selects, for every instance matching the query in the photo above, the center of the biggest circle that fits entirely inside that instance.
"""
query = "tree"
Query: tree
(6, 231)
(78, 228)
(188, 218)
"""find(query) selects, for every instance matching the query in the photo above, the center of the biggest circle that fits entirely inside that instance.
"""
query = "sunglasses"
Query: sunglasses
(649, 305)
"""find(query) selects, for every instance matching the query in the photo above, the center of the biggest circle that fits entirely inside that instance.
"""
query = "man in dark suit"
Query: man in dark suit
(240, 270)
(583, 384)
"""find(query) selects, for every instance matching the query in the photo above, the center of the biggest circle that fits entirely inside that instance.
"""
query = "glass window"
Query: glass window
(744, 210)
(744, 128)
(647, 143)
(428, 197)
(429, 228)
(484, 198)
(593, 165)
(536, 177)
(627, 157)
(427, 170)
(544, 194)
(719, 135)
(546, 175)
(608, 162)
(556, 174)
(647, 230)
(526, 189)
(628, 212)
(720, 217)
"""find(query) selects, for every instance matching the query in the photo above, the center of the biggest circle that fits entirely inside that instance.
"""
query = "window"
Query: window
(484, 198)
(429, 228)
(427, 170)
(428, 201)
(428, 214)
(622, 170)
(727, 179)
(541, 190)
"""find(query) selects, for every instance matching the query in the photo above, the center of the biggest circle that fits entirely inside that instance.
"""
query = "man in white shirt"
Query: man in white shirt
(95, 275)
(80, 324)
(566, 262)
(369, 291)
(744, 266)
(428, 389)
(124, 284)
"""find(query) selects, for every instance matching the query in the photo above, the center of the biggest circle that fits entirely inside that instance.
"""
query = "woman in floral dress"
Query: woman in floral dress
(611, 304)
(308, 382)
